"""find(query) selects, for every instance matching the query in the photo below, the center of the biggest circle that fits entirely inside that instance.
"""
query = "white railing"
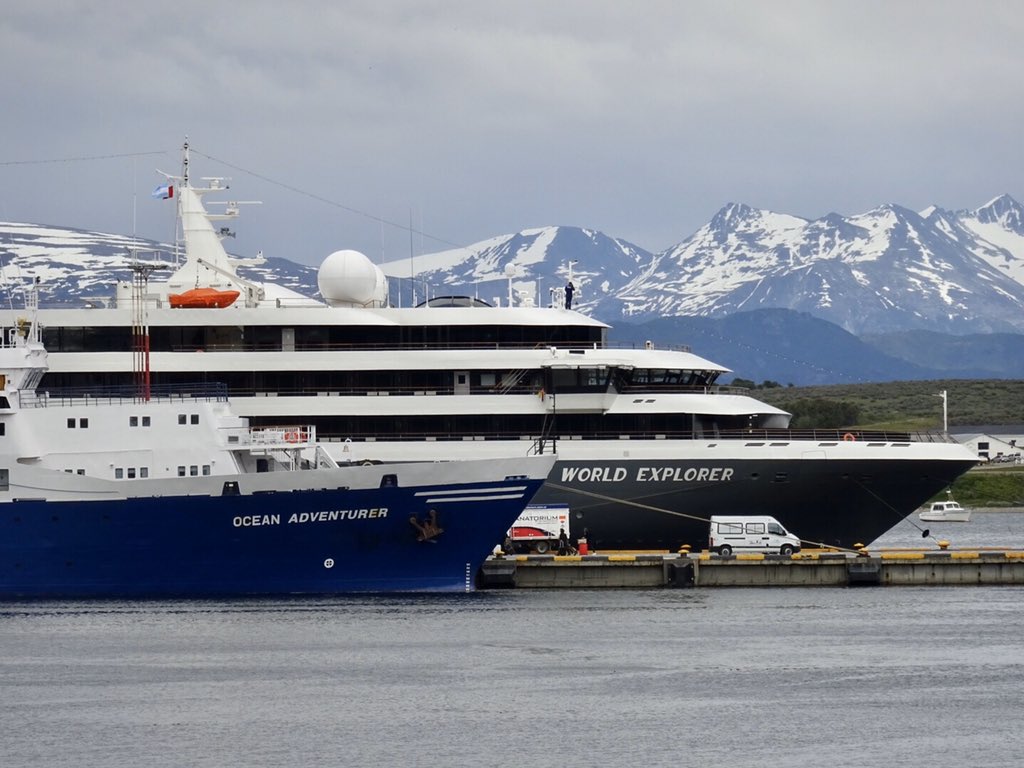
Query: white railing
(272, 437)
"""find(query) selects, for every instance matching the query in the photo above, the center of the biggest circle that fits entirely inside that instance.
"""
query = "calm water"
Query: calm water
(897, 676)
(987, 528)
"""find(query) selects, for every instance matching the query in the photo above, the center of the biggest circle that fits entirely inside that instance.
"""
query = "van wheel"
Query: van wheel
(542, 547)
(725, 550)
(787, 549)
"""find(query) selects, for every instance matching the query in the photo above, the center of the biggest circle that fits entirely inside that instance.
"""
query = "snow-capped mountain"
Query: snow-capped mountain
(536, 260)
(889, 269)
(78, 267)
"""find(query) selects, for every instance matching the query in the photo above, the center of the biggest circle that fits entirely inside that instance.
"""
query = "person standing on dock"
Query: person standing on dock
(563, 542)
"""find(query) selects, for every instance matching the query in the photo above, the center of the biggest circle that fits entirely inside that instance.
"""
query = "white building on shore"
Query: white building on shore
(993, 443)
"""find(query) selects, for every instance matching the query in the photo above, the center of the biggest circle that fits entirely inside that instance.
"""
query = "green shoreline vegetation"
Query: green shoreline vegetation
(903, 405)
(989, 487)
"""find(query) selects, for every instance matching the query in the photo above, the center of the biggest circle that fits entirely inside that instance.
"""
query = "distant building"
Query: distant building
(993, 443)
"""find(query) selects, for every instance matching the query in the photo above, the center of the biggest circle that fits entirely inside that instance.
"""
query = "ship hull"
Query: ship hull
(661, 494)
(665, 503)
(304, 542)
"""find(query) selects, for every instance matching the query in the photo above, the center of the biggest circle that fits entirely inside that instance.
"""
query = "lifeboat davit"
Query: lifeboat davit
(199, 298)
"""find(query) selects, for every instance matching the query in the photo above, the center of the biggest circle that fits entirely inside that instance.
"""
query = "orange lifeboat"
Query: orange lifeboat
(200, 298)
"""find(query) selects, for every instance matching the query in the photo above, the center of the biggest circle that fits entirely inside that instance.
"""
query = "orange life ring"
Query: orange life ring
(291, 437)
(848, 437)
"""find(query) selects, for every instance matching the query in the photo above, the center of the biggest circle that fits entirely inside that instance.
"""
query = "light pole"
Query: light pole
(945, 413)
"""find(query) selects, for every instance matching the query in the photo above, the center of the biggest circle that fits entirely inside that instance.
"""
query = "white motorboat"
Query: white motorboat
(945, 512)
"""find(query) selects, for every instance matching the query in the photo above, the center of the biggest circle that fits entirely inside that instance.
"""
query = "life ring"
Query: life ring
(291, 437)
(848, 437)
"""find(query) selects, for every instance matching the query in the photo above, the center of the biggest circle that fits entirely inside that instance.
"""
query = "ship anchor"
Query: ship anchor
(428, 530)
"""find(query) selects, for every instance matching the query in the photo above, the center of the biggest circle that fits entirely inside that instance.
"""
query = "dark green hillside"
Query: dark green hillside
(915, 404)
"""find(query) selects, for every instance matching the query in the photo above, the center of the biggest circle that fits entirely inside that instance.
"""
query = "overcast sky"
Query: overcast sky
(476, 118)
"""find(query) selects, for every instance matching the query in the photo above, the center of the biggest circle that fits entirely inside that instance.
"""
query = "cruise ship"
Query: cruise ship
(171, 494)
(649, 444)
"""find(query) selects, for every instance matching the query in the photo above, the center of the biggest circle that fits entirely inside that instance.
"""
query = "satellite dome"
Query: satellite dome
(348, 278)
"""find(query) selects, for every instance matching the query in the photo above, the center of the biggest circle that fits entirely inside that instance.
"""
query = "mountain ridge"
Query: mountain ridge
(887, 278)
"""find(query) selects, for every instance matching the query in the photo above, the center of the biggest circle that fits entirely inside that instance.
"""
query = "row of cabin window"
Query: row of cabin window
(133, 421)
(183, 418)
(120, 473)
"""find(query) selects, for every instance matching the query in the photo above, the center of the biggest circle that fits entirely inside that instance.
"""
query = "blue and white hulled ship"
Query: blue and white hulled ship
(150, 494)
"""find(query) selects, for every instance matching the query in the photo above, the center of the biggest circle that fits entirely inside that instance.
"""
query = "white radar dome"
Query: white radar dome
(349, 279)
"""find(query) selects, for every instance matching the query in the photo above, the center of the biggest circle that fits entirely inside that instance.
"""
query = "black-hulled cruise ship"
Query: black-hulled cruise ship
(649, 446)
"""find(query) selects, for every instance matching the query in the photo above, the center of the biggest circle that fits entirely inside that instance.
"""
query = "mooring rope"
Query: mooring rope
(674, 513)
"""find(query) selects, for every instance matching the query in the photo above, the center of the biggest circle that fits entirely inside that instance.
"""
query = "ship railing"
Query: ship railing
(579, 346)
(687, 389)
(118, 395)
(500, 388)
(823, 437)
(277, 437)
(573, 345)
(543, 446)
(418, 390)
(514, 383)
(850, 434)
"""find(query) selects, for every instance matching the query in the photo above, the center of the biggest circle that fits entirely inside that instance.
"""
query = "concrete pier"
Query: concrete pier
(817, 569)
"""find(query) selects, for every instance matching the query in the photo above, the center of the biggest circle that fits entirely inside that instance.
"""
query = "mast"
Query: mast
(184, 163)
(412, 264)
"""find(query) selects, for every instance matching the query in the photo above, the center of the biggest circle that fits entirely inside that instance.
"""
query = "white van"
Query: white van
(750, 533)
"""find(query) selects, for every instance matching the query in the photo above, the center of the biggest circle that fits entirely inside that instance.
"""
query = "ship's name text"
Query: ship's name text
(647, 474)
(324, 516)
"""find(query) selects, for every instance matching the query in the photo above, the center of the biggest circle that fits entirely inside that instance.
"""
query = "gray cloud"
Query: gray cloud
(481, 118)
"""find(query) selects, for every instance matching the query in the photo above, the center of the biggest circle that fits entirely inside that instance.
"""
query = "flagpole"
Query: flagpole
(945, 411)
